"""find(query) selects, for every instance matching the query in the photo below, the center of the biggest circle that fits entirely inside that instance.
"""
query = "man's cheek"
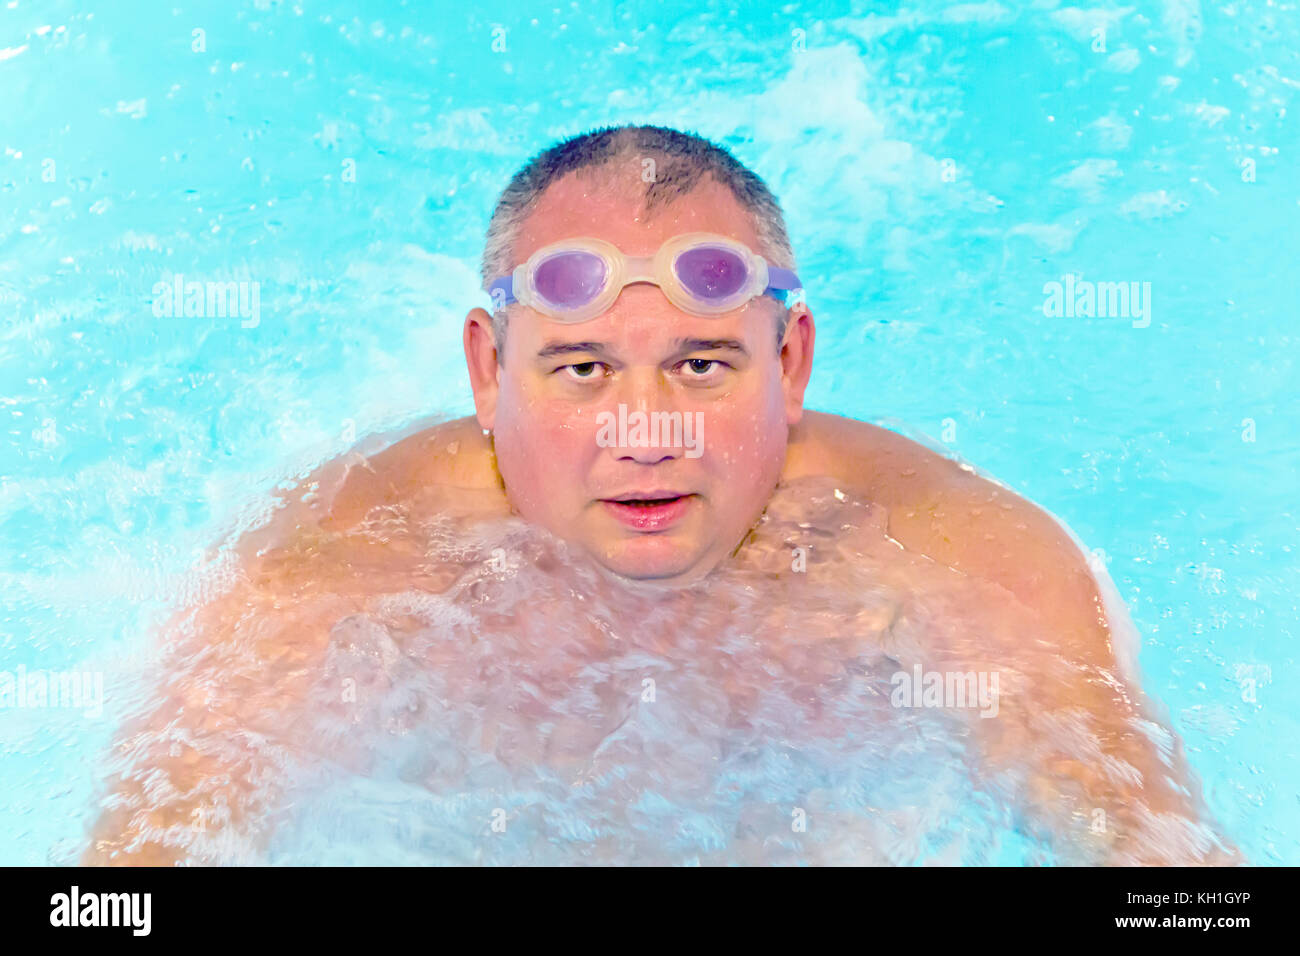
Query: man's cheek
(559, 455)
(742, 439)
(537, 421)
(569, 439)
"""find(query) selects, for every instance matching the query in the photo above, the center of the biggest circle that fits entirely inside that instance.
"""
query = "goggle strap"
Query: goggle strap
(506, 288)
(783, 280)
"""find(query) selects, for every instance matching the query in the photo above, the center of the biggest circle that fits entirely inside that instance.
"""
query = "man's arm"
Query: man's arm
(199, 767)
(1147, 794)
(950, 514)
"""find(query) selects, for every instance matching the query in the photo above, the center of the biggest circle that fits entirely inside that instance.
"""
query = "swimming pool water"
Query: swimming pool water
(939, 165)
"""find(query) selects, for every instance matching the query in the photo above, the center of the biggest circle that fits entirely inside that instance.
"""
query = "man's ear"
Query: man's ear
(484, 366)
(796, 360)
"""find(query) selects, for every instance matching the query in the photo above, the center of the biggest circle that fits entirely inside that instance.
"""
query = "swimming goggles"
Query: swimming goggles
(705, 274)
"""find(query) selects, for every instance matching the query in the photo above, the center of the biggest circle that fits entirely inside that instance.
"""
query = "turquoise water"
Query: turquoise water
(938, 164)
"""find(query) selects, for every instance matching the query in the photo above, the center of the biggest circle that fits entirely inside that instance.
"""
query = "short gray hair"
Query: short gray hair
(681, 161)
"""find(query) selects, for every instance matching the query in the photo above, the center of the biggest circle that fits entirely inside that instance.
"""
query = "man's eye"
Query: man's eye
(701, 368)
(583, 370)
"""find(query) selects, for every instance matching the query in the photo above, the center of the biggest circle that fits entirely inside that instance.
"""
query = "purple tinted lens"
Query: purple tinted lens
(571, 279)
(711, 273)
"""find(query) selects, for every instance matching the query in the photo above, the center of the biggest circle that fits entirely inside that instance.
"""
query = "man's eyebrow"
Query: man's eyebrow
(565, 348)
(711, 345)
(552, 349)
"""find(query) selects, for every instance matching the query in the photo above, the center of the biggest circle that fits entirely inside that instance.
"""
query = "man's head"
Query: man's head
(564, 400)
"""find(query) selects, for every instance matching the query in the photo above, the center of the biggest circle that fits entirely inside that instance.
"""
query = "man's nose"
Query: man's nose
(647, 401)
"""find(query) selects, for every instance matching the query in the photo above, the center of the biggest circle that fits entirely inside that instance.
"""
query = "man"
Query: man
(640, 274)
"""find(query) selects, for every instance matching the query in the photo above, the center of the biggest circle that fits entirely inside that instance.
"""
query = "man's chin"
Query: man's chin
(654, 558)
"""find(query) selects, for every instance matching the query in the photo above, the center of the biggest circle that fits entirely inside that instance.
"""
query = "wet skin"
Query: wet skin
(530, 450)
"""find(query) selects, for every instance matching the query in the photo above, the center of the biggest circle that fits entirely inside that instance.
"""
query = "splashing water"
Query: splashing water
(498, 698)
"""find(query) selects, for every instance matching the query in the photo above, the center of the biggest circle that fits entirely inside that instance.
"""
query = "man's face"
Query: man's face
(553, 401)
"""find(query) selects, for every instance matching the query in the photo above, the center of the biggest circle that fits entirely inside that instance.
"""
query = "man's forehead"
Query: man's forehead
(610, 205)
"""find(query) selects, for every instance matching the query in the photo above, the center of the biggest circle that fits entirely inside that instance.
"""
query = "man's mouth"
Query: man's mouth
(650, 510)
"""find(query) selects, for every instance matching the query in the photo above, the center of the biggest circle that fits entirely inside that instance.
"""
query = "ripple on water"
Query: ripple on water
(539, 710)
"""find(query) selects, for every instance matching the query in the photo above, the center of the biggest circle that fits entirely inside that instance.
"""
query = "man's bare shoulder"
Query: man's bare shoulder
(909, 479)
(891, 469)
(947, 511)
(449, 465)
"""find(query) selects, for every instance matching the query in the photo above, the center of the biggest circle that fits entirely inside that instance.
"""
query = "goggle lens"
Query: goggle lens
(711, 273)
(571, 279)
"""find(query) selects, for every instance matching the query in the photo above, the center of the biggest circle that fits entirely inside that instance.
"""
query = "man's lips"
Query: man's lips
(648, 511)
